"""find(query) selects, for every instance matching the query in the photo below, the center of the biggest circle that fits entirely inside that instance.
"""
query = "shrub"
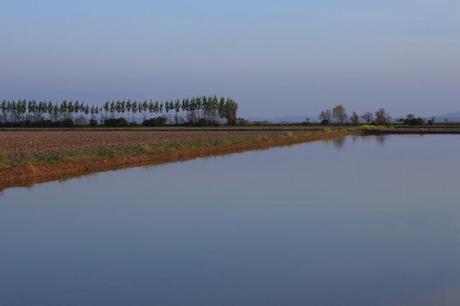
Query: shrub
(67, 123)
(81, 121)
(371, 128)
(158, 121)
(205, 122)
(414, 121)
(242, 122)
(119, 122)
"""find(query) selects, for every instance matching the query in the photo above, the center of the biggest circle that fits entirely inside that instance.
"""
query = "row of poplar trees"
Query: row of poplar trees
(188, 110)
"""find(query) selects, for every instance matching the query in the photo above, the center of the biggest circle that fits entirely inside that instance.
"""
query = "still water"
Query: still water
(358, 221)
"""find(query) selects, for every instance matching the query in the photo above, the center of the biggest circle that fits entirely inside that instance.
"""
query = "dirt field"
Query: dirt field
(20, 143)
(32, 156)
(17, 144)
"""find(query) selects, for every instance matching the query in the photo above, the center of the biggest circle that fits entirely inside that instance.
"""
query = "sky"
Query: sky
(276, 58)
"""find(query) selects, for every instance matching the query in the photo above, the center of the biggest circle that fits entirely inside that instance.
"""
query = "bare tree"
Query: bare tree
(325, 116)
(339, 114)
(368, 117)
(355, 120)
(382, 117)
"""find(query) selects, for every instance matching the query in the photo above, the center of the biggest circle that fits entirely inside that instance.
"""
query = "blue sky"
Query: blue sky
(275, 57)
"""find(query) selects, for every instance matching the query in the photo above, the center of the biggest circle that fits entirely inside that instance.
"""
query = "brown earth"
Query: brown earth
(20, 145)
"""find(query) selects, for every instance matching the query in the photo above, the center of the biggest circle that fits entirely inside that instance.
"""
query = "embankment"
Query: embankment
(29, 169)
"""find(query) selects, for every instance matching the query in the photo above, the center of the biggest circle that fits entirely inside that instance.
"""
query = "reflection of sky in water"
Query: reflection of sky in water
(375, 222)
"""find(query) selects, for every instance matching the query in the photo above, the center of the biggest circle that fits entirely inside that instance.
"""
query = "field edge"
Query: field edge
(66, 166)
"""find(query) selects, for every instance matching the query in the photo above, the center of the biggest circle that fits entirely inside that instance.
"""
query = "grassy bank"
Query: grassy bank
(27, 168)
(402, 130)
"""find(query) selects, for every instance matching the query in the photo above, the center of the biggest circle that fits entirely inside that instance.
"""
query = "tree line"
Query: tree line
(339, 115)
(206, 110)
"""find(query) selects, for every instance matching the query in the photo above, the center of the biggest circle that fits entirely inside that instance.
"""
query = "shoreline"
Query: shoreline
(71, 165)
(62, 166)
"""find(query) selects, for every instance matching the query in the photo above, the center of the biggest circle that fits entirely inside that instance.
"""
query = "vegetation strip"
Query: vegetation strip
(30, 170)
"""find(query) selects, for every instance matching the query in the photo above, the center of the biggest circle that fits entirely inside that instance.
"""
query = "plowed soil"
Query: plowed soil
(17, 144)
(22, 149)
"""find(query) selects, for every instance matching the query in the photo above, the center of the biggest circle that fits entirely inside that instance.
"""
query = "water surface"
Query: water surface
(358, 221)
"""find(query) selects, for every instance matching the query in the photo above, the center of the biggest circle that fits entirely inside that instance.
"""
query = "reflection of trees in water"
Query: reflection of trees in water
(339, 143)
(380, 139)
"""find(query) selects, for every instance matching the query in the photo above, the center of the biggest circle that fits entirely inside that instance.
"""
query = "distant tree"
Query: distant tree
(355, 119)
(134, 109)
(81, 121)
(382, 117)
(221, 108)
(231, 111)
(325, 116)
(55, 112)
(411, 119)
(368, 117)
(339, 114)
(4, 111)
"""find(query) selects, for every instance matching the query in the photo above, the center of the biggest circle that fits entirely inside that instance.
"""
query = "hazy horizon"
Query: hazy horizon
(276, 59)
